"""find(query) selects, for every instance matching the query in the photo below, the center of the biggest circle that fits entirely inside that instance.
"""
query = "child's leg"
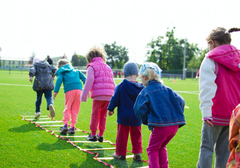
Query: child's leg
(96, 106)
(156, 150)
(68, 107)
(122, 140)
(136, 139)
(75, 107)
(103, 117)
(39, 101)
(48, 96)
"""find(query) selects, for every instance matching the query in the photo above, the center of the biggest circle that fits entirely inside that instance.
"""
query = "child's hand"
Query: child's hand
(110, 113)
(209, 123)
(54, 95)
(31, 79)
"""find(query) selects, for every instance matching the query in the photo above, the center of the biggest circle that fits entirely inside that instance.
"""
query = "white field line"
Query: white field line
(189, 92)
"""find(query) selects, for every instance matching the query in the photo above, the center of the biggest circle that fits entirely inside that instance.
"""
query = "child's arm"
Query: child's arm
(82, 77)
(57, 85)
(32, 73)
(141, 108)
(115, 100)
(88, 84)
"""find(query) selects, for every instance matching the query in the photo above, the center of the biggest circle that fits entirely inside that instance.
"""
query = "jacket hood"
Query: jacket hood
(227, 55)
(132, 88)
(42, 64)
(64, 68)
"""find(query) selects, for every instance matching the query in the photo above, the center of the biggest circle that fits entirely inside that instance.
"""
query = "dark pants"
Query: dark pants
(48, 96)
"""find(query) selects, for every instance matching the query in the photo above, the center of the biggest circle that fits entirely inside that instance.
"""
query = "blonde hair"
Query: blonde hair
(221, 35)
(151, 74)
(96, 51)
(62, 62)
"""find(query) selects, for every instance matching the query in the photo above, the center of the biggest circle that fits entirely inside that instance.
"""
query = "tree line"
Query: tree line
(166, 51)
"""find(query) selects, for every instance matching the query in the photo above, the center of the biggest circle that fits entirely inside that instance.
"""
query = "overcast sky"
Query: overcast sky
(58, 27)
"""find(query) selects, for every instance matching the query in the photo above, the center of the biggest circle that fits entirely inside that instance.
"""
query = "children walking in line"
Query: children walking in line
(71, 79)
(161, 109)
(101, 84)
(43, 84)
(124, 98)
(219, 95)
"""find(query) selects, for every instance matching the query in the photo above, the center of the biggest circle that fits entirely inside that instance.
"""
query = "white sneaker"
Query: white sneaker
(52, 111)
(37, 114)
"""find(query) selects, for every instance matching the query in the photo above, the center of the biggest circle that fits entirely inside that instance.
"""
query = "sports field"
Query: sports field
(25, 145)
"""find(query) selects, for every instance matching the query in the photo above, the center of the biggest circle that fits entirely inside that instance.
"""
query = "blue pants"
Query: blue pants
(214, 138)
(48, 96)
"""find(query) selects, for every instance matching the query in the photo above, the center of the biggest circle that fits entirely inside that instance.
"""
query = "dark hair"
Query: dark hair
(221, 35)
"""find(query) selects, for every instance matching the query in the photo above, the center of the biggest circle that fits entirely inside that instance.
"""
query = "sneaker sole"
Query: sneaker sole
(64, 131)
(52, 111)
(36, 117)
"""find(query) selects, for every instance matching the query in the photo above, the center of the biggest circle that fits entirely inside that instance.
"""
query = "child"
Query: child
(43, 83)
(124, 98)
(70, 77)
(161, 109)
(219, 95)
(100, 82)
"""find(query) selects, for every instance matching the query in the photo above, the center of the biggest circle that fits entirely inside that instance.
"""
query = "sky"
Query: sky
(60, 27)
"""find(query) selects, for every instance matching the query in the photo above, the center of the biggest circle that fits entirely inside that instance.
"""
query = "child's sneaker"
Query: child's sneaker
(52, 111)
(119, 157)
(64, 129)
(91, 138)
(37, 114)
(137, 157)
(100, 138)
(71, 130)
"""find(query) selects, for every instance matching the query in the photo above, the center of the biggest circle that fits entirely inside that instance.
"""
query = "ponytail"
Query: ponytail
(233, 30)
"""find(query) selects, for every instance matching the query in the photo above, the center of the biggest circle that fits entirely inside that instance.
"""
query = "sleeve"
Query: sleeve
(180, 100)
(114, 102)
(54, 69)
(141, 108)
(32, 72)
(88, 84)
(58, 83)
(82, 77)
(207, 86)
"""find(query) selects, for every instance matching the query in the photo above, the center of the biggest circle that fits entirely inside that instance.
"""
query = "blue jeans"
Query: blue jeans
(48, 96)
(214, 139)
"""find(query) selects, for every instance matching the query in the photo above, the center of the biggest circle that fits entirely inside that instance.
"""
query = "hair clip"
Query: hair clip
(227, 32)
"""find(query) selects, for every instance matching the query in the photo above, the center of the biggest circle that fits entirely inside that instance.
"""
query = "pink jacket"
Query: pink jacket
(103, 78)
(227, 70)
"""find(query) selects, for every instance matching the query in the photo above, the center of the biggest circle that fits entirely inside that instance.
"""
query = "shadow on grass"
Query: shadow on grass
(25, 128)
(125, 163)
(58, 145)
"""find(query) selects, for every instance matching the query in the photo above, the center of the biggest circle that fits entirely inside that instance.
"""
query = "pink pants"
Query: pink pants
(99, 117)
(157, 150)
(122, 139)
(72, 106)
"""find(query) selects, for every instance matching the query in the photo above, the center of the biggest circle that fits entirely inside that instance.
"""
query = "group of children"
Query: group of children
(150, 103)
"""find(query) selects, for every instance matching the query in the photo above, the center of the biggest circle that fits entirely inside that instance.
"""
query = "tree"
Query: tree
(168, 51)
(31, 58)
(117, 56)
(78, 60)
(195, 62)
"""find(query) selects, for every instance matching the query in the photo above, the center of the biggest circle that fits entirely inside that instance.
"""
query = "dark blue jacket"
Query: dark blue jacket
(159, 105)
(43, 73)
(124, 98)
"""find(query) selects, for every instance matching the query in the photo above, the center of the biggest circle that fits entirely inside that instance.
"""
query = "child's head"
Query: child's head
(220, 36)
(62, 62)
(150, 71)
(96, 51)
(129, 69)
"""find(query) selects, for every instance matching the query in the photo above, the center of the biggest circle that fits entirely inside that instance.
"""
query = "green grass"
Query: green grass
(25, 145)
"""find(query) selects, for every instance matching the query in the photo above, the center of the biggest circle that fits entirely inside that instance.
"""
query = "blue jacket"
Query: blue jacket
(159, 105)
(43, 73)
(124, 98)
(70, 77)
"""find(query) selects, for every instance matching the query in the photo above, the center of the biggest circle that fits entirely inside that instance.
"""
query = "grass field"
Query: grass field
(25, 145)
